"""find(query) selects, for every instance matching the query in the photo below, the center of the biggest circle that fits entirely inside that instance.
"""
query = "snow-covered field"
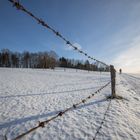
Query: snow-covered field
(31, 95)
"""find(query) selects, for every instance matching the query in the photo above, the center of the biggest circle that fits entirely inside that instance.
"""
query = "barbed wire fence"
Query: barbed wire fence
(74, 106)
(46, 25)
(102, 121)
(61, 113)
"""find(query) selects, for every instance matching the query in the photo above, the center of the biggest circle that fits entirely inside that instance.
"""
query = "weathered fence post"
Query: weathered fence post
(113, 80)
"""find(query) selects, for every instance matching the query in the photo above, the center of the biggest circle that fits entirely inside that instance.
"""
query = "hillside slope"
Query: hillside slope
(31, 95)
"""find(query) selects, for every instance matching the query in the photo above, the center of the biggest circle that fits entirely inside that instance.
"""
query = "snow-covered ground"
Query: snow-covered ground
(31, 95)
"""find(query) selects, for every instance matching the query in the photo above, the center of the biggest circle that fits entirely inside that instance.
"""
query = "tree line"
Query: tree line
(45, 59)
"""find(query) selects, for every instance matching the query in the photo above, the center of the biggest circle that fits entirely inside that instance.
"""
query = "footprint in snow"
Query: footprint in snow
(136, 98)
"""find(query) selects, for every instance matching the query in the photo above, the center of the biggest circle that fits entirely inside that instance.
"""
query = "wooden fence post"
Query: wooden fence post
(113, 81)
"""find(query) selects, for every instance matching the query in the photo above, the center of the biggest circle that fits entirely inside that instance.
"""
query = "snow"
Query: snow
(31, 95)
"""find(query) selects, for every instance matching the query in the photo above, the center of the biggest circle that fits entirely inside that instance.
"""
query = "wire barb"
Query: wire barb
(41, 124)
(89, 97)
(17, 5)
(60, 113)
(74, 106)
(83, 101)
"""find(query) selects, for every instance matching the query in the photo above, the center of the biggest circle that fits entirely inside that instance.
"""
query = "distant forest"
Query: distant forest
(44, 60)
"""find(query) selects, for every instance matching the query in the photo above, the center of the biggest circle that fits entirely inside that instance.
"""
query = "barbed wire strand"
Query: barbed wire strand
(103, 120)
(74, 106)
(43, 23)
(40, 21)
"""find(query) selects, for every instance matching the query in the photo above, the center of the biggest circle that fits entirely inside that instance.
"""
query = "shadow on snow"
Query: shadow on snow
(36, 117)
(55, 92)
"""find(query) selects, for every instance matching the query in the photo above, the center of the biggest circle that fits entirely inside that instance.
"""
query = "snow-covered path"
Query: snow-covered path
(28, 96)
(134, 82)
(129, 108)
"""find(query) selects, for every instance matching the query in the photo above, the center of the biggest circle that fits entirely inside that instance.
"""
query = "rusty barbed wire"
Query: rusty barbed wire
(102, 122)
(60, 114)
(43, 23)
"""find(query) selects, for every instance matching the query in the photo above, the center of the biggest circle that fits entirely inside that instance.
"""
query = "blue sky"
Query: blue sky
(108, 30)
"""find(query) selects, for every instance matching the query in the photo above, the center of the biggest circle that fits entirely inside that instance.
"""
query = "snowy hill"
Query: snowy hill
(31, 95)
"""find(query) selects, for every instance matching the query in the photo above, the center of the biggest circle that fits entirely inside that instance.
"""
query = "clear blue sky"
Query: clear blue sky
(108, 30)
